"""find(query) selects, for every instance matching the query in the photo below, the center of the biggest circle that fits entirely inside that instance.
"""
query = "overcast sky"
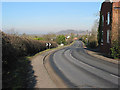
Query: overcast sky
(44, 17)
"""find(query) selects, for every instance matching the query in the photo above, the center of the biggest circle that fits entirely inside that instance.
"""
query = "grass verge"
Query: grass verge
(29, 57)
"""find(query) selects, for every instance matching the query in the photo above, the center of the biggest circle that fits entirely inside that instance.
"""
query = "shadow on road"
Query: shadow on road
(31, 78)
(22, 76)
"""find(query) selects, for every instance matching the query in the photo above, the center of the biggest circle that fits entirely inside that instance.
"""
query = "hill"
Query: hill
(80, 32)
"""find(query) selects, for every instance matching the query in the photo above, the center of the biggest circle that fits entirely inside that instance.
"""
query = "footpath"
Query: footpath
(44, 75)
(42, 78)
(98, 55)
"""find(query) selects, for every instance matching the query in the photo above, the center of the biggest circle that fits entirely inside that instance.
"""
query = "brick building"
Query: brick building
(109, 24)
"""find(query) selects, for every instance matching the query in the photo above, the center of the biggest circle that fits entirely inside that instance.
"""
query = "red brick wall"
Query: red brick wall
(114, 27)
(115, 21)
(106, 7)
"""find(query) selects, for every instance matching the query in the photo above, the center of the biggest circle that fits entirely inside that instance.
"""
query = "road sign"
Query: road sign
(48, 45)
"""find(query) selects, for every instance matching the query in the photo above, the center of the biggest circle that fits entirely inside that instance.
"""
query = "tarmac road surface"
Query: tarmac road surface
(79, 69)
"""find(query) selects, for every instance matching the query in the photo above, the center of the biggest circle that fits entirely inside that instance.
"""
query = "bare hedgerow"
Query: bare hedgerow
(16, 46)
(13, 48)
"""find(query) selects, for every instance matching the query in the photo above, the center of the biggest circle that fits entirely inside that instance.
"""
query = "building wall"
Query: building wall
(114, 26)
(106, 7)
(115, 34)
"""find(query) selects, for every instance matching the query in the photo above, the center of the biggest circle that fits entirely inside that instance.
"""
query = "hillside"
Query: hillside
(81, 32)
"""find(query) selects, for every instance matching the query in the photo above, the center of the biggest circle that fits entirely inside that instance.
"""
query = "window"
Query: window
(108, 34)
(102, 37)
(116, 7)
(108, 18)
(102, 20)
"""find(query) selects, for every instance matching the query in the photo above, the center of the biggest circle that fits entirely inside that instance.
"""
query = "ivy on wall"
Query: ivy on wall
(115, 49)
(99, 36)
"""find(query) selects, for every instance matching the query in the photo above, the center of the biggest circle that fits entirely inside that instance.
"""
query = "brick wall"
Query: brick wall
(114, 26)
(115, 21)
(106, 7)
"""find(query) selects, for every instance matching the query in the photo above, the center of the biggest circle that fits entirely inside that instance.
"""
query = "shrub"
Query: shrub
(61, 39)
(40, 38)
(69, 41)
(92, 42)
(15, 47)
(84, 39)
(115, 49)
(89, 41)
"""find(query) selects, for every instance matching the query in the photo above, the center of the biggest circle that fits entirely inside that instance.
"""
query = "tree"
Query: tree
(48, 37)
(61, 39)
(72, 35)
(92, 39)
(12, 31)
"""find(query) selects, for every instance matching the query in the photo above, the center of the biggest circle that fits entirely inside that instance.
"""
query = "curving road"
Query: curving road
(78, 69)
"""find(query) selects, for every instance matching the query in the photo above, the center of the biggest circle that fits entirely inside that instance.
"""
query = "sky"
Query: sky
(45, 17)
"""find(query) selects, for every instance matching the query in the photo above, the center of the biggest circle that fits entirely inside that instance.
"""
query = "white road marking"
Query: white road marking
(81, 62)
(114, 76)
(91, 66)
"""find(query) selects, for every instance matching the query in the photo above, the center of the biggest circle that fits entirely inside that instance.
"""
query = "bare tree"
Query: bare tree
(11, 31)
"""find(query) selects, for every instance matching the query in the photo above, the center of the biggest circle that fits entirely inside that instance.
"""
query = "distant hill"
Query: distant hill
(81, 32)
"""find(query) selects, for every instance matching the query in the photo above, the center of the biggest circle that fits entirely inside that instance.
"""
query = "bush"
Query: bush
(84, 39)
(61, 39)
(15, 47)
(39, 38)
(115, 50)
(69, 41)
(92, 42)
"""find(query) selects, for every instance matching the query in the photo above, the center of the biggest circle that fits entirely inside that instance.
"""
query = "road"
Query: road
(79, 69)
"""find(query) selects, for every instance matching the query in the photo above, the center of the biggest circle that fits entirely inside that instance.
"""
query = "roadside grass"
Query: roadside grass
(59, 47)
